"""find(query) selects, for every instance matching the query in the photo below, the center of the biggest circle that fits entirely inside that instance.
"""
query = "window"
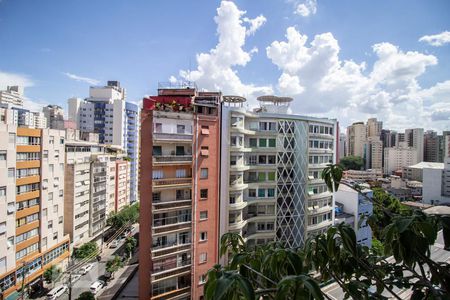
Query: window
(252, 193)
(204, 173)
(44, 242)
(50, 196)
(156, 197)
(55, 208)
(2, 192)
(271, 159)
(55, 235)
(45, 154)
(158, 127)
(181, 173)
(261, 193)
(271, 176)
(262, 159)
(270, 193)
(205, 129)
(204, 151)
(12, 138)
(50, 168)
(203, 236)
(2, 227)
(61, 141)
(3, 266)
(61, 220)
(157, 150)
(203, 215)
(50, 224)
(261, 176)
(11, 172)
(2, 155)
(272, 143)
(262, 143)
(253, 143)
(11, 208)
(203, 257)
(202, 279)
(44, 212)
(181, 129)
(51, 140)
(158, 174)
(204, 193)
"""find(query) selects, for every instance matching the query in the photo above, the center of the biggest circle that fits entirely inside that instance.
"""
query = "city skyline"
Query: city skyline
(392, 68)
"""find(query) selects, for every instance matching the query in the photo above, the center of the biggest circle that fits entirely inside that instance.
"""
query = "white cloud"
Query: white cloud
(324, 84)
(255, 24)
(82, 79)
(216, 69)
(8, 79)
(436, 40)
(309, 7)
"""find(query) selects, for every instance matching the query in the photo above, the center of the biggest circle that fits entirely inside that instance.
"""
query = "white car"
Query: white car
(97, 286)
(57, 292)
(85, 269)
(74, 278)
(114, 244)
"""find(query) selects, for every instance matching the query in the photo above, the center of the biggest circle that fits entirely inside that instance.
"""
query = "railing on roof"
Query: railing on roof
(177, 85)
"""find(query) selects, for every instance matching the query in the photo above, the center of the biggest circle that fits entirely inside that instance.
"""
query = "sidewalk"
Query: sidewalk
(119, 282)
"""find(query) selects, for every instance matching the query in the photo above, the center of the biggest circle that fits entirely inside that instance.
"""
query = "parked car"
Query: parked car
(97, 286)
(56, 292)
(86, 268)
(75, 278)
(114, 244)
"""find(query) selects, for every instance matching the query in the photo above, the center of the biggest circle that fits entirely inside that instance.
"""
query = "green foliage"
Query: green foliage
(332, 176)
(273, 271)
(130, 246)
(114, 265)
(86, 250)
(351, 163)
(129, 214)
(86, 296)
(51, 274)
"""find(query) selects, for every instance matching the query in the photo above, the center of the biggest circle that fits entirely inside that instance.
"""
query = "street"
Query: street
(96, 273)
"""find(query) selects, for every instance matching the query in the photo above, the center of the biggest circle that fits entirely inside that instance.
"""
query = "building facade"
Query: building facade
(32, 189)
(11, 96)
(271, 163)
(54, 114)
(116, 121)
(356, 138)
(179, 187)
(395, 158)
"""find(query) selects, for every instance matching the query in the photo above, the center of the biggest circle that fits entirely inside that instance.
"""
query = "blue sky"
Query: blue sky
(58, 48)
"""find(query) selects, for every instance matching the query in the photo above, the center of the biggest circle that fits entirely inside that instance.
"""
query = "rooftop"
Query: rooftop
(427, 165)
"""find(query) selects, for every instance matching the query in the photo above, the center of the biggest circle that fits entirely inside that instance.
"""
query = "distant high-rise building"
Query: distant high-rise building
(374, 127)
(395, 158)
(54, 115)
(356, 138)
(11, 96)
(414, 139)
(116, 121)
(342, 145)
(373, 153)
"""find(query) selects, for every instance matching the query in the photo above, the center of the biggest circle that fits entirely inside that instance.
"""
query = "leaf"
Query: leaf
(403, 223)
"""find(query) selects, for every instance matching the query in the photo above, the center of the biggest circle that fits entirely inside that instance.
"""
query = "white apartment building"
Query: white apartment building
(271, 162)
(90, 187)
(395, 158)
(356, 138)
(357, 204)
(122, 186)
(436, 184)
(373, 153)
(12, 96)
(32, 207)
(54, 114)
(415, 172)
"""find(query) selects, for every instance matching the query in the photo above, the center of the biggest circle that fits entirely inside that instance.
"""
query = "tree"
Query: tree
(351, 163)
(130, 246)
(86, 296)
(273, 271)
(51, 274)
(114, 265)
(128, 215)
(89, 249)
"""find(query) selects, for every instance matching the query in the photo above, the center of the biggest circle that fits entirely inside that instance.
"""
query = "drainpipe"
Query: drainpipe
(194, 212)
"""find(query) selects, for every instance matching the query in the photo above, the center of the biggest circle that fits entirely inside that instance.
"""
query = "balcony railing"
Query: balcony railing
(172, 220)
(172, 136)
(171, 204)
(171, 181)
(171, 158)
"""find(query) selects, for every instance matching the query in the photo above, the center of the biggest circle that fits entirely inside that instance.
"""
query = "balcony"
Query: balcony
(320, 195)
(172, 205)
(168, 266)
(159, 250)
(168, 183)
(172, 159)
(180, 293)
(178, 271)
(320, 225)
(172, 137)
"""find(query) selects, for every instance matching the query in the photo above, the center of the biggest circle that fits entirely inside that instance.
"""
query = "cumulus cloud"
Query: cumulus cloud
(216, 68)
(436, 40)
(82, 79)
(309, 7)
(255, 24)
(324, 84)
